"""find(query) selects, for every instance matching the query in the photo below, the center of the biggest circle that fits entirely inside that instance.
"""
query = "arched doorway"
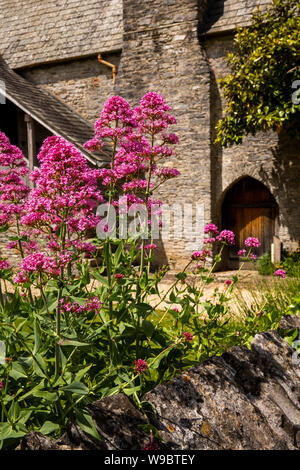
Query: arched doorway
(249, 210)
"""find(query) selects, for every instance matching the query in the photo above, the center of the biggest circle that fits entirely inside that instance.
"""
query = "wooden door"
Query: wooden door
(249, 210)
(256, 222)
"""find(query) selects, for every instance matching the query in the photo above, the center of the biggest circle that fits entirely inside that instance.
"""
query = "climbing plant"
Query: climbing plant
(261, 92)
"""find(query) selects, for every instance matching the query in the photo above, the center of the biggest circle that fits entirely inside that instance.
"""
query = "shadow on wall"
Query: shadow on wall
(213, 12)
(284, 178)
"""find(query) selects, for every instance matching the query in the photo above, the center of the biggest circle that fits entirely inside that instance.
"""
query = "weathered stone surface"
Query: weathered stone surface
(241, 400)
(37, 441)
(289, 322)
(118, 422)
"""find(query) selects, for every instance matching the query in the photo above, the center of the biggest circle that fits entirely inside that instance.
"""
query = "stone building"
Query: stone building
(55, 83)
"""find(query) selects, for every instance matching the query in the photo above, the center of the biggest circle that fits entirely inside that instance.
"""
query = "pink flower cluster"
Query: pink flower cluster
(140, 366)
(226, 236)
(139, 139)
(90, 305)
(13, 190)
(4, 264)
(201, 255)
(280, 273)
(41, 263)
(252, 242)
(149, 246)
(66, 189)
(211, 228)
(188, 336)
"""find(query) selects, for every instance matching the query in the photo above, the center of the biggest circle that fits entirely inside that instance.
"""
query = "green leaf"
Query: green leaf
(3, 228)
(37, 336)
(49, 427)
(14, 411)
(82, 372)
(49, 396)
(39, 366)
(7, 432)
(17, 371)
(117, 255)
(101, 278)
(148, 328)
(76, 387)
(86, 423)
(72, 342)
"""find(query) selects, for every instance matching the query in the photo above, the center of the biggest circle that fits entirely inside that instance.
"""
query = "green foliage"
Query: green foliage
(264, 66)
(264, 265)
(291, 264)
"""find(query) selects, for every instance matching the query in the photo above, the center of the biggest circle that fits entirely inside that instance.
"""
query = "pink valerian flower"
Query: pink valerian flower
(280, 273)
(209, 241)
(252, 242)
(166, 173)
(116, 121)
(201, 255)
(140, 366)
(4, 264)
(242, 253)
(41, 263)
(1, 385)
(90, 305)
(253, 257)
(141, 140)
(188, 336)
(119, 276)
(21, 277)
(149, 246)
(211, 228)
(87, 248)
(136, 185)
(68, 306)
(13, 190)
(226, 236)
(228, 282)
(152, 114)
(170, 138)
(64, 184)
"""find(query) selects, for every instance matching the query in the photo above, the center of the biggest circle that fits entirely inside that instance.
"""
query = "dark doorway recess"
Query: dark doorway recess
(249, 210)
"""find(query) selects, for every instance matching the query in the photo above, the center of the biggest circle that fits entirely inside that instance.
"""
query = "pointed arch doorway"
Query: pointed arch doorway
(249, 210)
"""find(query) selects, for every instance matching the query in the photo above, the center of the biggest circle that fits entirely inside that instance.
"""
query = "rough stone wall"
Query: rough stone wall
(161, 52)
(270, 158)
(225, 15)
(39, 31)
(84, 85)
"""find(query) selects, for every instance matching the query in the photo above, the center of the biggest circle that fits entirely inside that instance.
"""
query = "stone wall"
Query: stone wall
(222, 16)
(161, 52)
(270, 158)
(84, 85)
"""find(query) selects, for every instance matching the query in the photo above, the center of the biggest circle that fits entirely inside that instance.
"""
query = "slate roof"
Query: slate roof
(41, 31)
(225, 15)
(50, 112)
